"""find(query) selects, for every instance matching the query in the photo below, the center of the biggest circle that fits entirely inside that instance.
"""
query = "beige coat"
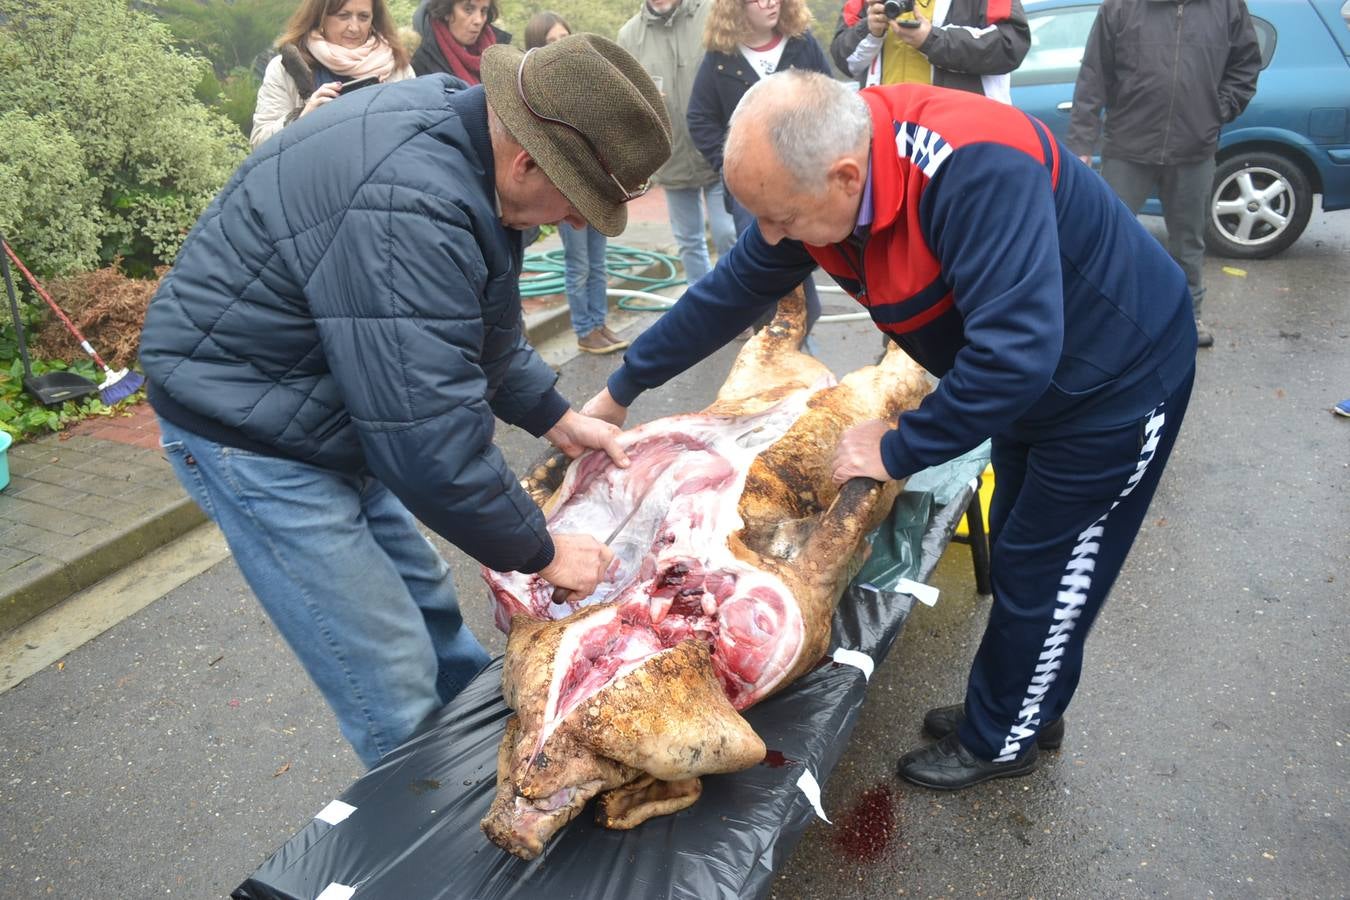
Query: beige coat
(673, 49)
(280, 103)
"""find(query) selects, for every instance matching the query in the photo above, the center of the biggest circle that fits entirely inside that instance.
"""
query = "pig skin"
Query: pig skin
(602, 709)
(656, 715)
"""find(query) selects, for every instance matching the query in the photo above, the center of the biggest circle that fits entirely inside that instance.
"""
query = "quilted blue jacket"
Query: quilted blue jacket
(351, 300)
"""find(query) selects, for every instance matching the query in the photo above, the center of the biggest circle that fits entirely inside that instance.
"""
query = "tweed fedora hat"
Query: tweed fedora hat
(589, 114)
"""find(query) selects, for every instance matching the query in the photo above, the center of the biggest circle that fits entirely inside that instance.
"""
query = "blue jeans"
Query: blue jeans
(363, 599)
(685, 207)
(584, 256)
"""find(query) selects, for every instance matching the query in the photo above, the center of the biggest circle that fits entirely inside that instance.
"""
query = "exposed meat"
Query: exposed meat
(675, 571)
(721, 593)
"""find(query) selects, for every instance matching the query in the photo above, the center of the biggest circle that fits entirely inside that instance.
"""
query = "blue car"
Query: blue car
(1292, 141)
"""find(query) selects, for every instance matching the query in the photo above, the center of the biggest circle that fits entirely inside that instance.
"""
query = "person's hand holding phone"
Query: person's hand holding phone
(913, 31)
(324, 93)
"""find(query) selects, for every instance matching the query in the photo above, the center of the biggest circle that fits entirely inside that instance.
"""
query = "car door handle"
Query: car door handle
(1065, 106)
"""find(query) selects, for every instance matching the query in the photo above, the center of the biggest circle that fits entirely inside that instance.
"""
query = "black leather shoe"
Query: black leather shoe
(949, 766)
(945, 720)
(1203, 336)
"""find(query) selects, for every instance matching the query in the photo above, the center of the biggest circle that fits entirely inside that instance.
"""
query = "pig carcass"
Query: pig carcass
(722, 591)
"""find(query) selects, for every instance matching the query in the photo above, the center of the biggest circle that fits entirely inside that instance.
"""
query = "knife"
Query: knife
(560, 593)
(637, 504)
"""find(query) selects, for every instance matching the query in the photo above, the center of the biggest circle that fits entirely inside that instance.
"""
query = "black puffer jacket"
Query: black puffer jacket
(1169, 75)
(351, 300)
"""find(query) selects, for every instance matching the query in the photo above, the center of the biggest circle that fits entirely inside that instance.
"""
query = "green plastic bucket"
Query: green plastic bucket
(5, 441)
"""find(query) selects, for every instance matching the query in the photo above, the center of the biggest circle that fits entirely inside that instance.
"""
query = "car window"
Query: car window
(1057, 40)
(1265, 38)
(1339, 30)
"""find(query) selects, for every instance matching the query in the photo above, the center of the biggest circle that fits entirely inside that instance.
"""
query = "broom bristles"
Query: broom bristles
(119, 385)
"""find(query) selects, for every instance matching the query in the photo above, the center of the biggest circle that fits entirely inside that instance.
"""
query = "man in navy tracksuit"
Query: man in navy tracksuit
(1057, 325)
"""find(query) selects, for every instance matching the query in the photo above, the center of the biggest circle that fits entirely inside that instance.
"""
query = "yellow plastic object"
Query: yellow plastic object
(986, 492)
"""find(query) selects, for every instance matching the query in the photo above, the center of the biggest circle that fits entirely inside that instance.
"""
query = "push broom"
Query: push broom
(117, 385)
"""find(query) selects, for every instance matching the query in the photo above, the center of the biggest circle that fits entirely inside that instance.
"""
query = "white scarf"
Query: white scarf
(374, 57)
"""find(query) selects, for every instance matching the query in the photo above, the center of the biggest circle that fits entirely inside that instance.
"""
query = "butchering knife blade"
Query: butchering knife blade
(560, 594)
(637, 504)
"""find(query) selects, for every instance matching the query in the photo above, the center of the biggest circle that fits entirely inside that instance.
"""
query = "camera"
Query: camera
(894, 9)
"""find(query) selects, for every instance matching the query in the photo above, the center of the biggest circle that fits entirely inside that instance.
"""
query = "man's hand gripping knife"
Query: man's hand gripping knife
(579, 560)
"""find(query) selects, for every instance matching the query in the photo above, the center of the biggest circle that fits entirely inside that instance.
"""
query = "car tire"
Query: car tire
(1259, 205)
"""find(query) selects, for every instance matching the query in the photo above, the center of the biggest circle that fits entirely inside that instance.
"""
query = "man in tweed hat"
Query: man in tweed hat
(340, 330)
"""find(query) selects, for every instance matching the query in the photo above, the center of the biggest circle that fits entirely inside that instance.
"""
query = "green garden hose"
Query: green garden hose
(543, 274)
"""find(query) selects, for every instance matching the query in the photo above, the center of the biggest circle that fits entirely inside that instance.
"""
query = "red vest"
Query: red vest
(915, 130)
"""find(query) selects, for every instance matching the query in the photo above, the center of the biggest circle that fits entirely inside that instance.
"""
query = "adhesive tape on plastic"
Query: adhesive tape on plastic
(335, 812)
(856, 659)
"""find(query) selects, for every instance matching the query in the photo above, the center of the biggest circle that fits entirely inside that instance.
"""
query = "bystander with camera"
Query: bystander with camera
(970, 45)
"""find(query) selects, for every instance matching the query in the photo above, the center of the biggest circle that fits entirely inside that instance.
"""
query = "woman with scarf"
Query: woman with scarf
(454, 35)
(326, 44)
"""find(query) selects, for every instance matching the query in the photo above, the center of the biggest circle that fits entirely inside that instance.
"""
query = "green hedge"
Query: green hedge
(112, 100)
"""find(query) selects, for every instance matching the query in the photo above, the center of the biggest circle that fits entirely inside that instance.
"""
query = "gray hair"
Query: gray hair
(811, 120)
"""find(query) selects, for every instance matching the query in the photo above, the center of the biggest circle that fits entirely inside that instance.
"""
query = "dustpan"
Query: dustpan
(51, 389)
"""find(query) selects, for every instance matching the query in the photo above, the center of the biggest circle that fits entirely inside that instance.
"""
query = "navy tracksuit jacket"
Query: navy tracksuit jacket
(1059, 327)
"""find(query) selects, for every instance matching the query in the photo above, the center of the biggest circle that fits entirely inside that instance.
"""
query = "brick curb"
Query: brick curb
(46, 588)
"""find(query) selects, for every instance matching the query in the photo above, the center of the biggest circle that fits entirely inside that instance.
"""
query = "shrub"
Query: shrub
(109, 78)
(47, 203)
(236, 37)
(234, 97)
(107, 307)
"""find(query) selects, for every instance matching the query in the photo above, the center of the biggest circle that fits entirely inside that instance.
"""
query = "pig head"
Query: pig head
(602, 709)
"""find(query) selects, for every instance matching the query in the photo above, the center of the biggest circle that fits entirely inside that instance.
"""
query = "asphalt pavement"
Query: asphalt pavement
(1205, 753)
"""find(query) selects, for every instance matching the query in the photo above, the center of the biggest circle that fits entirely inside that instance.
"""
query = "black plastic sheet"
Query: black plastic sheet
(413, 832)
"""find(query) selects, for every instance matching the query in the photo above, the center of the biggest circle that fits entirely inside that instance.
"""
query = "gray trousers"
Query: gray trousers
(1184, 193)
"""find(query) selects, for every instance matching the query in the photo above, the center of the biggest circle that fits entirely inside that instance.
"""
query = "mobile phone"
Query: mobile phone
(358, 83)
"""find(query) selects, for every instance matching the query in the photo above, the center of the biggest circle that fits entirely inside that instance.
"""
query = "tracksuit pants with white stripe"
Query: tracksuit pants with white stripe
(1064, 514)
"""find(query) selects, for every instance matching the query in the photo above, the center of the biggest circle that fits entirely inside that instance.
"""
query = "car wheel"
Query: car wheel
(1259, 205)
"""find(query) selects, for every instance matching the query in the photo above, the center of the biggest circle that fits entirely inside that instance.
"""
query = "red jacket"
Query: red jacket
(893, 271)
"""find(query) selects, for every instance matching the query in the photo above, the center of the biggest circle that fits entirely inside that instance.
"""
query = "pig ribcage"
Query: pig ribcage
(674, 576)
